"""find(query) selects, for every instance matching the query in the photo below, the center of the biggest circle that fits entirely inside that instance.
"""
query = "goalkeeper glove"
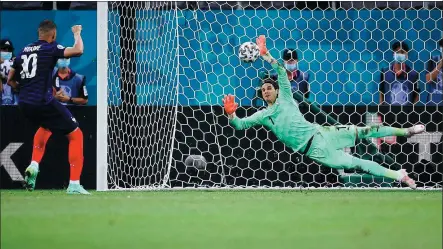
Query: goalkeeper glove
(261, 43)
(230, 105)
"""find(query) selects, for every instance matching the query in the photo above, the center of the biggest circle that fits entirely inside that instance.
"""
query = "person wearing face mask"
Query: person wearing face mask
(70, 86)
(34, 66)
(434, 78)
(7, 50)
(299, 80)
(323, 144)
(398, 82)
(9, 95)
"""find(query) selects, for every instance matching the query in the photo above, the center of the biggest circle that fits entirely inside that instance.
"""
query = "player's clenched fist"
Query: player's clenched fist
(76, 29)
(261, 43)
(230, 105)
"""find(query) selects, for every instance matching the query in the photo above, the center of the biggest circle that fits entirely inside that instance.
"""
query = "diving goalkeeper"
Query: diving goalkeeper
(322, 144)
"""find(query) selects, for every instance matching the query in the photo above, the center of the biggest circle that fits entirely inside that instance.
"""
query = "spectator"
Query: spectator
(398, 82)
(9, 96)
(434, 78)
(299, 80)
(69, 85)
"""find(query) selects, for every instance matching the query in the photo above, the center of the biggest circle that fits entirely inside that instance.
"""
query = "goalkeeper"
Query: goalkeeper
(322, 144)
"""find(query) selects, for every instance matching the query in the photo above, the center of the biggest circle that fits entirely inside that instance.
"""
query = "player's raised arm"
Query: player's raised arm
(239, 123)
(283, 81)
(77, 48)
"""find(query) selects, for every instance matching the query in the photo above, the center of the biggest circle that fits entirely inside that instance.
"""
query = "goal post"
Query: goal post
(102, 96)
(163, 68)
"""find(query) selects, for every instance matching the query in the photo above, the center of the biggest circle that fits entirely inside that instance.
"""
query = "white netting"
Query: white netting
(142, 61)
(170, 63)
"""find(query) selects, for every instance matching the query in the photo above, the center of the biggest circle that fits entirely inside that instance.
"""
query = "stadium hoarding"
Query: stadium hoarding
(250, 154)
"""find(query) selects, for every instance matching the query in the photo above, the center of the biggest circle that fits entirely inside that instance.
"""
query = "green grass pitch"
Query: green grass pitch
(222, 220)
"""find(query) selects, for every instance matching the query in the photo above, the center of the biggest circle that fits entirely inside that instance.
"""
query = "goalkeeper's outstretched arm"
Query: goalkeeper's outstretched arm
(240, 123)
(283, 81)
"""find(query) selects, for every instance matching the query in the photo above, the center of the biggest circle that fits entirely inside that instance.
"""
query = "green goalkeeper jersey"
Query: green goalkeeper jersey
(283, 118)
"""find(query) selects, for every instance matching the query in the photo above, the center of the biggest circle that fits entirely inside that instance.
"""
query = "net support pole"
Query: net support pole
(127, 81)
(166, 180)
(102, 94)
(127, 11)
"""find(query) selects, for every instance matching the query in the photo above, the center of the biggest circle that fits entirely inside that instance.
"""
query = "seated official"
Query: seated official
(8, 95)
(399, 82)
(70, 86)
(299, 80)
(434, 78)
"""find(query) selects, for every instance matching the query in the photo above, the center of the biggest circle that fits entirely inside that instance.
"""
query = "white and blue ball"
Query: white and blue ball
(248, 52)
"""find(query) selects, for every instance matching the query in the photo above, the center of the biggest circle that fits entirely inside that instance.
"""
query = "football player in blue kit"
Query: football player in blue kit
(35, 64)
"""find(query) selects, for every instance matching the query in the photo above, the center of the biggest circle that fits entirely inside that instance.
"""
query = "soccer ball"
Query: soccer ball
(248, 52)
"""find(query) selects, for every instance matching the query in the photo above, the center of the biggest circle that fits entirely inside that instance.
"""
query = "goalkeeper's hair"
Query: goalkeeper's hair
(271, 80)
(46, 26)
(267, 79)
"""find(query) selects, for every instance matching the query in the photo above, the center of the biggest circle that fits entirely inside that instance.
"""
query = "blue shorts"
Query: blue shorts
(52, 116)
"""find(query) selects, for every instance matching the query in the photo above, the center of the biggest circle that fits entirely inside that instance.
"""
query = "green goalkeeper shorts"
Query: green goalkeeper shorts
(327, 146)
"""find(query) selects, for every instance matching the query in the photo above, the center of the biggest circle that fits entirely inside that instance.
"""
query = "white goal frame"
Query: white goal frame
(102, 96)
(102, 125)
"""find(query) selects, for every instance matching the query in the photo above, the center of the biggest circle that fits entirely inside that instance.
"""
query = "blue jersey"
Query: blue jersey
(35, 63)
(299, 82)
(8, 96)
(399, 89)
(435, 88)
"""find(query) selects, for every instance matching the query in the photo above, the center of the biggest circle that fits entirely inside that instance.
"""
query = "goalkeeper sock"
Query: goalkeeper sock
(380, 131)
(376, 169)
(40, 139)
(75, 155)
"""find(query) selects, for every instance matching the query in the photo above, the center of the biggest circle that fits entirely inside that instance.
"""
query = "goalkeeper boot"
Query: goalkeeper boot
(406, 179)
(76, 189)
(31, 173)
(416, 129)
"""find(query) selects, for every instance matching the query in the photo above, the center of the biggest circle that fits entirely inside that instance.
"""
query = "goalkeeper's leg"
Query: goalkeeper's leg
(345, 136)
(386, 131)
(322, 152)
(350, 162)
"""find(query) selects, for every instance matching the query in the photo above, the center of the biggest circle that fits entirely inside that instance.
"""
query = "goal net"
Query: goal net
(165, 66)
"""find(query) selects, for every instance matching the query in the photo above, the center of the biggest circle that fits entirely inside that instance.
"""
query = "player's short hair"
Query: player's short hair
(46, 26)
(440, 43)
(289, 54)
(401, 45)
